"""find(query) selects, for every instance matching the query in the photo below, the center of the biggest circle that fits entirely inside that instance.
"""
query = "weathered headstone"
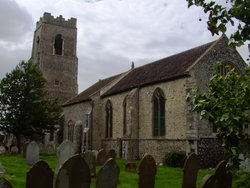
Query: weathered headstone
(223, 179)
(147, 172)
(64, 152)
(108, 175)
(4, 183)
(101, 157)
(14, 150)
(32, 153)
(90, 159)
(74, 173)
(2, 150)
(190, 171)
(50, 149)
(40, 176)
(131, 166)
(111, 154)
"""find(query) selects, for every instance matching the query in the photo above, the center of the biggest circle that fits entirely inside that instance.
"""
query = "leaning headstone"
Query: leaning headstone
(101, 157)
(4, 183)
(14, 150)
(32, 153)
(223, 179)
(111, 154)
(190, 171)
(40, 176)
(90, 159)
(2, 150)
(64, 152)
(74, 173)
(108, 175)
(147, 172)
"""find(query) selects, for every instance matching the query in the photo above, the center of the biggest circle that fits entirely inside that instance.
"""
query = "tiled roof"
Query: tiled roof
(165, 69)
(85, 95)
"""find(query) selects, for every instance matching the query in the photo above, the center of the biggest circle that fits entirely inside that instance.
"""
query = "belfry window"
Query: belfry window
(109, 120)
(58, 45)
(158, 113)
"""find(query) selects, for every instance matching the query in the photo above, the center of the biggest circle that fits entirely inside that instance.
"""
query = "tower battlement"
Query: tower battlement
(48, 18)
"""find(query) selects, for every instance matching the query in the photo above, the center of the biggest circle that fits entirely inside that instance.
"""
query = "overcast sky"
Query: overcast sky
(111, 33)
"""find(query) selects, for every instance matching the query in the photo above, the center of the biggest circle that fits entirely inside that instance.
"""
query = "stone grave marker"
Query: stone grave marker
(147, 172)
(223, 179)
(64, 152)
(50, 148)
(2, 150)
(77, 137)
(108, 175)
(32, 153)
(40, 176)
(130, 166)
(14, 150)
(111, 154)
(101, 157)
(190, 171)
(4, 183)
(90, 159)
(74, 173)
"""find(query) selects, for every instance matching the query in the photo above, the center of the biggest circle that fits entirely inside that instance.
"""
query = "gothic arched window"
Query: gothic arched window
(158, 113)
(125, 116)
(109, 120)
(224, 67)
(70, 130)
(58, 45)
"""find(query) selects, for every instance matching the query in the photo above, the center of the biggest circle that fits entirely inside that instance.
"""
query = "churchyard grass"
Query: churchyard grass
(16, 169)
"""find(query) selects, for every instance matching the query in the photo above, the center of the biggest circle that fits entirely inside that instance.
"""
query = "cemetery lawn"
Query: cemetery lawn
(16, 169)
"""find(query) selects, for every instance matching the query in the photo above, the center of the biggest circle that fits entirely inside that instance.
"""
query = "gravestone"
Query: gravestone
(4, 183)
(2, 150)
(40, 176)
(101, 157)
(64, 152)
(14, 150)
(223, 179)
(131, 166)
(108, 175)
(90, 159)
(50, 148)
(74, 173)
(190, 171)
(32, 153)
(147, 172)
(111, 154)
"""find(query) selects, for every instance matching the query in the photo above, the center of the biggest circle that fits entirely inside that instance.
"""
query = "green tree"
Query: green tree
(233, 12)
(226, 104)
(24, 110)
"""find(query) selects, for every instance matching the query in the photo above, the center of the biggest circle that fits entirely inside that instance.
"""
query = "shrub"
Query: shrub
(175, 159)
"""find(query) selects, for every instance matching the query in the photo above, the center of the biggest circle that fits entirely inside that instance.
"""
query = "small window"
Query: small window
(158, 113)
(109, 120)
(125, 116)
(57, 83)
(58, 45)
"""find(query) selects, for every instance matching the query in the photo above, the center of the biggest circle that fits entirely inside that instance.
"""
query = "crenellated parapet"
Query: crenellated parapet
(48, 18)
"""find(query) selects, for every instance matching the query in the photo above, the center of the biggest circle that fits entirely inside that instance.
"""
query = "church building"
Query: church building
(142, 110)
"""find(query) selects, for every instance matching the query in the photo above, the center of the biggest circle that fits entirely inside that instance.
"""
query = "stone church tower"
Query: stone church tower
(54, 50)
